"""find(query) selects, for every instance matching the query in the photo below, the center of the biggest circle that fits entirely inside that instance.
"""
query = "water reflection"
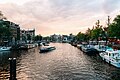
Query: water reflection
(64, 63)
(4, 55)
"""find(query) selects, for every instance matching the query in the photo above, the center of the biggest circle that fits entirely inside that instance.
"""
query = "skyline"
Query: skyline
(59, 16)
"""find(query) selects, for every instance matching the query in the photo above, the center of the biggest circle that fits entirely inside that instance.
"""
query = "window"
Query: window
(109, 54)
(113, 55)
(106, 53)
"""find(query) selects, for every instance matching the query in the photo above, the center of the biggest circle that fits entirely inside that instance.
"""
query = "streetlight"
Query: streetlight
(115, 39)
(106, 35)
(99, 39)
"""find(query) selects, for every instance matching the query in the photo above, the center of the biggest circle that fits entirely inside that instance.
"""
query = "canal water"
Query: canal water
(64, 63)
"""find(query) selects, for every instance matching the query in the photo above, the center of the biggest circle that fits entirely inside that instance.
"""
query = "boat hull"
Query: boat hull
(5, 48)
(43, 50)
(110, 61)
(91, 51)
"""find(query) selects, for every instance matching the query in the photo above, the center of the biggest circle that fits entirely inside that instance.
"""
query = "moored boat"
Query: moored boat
(74, 44)
(46, 49)
(79, 46)
(111, 56)
(5, 48)
(89, 49)
(101, 48)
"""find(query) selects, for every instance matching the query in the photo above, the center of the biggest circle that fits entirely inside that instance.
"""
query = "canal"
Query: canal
(64, 63)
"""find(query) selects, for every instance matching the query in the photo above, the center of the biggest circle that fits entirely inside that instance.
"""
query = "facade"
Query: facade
(12, 34)
(62, 38)
(27, 35)
(15, 30)
(56, 38)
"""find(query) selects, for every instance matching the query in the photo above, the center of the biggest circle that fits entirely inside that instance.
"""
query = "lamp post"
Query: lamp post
(12, 68)
(115, 39)
(99, 39)
(106, 35)
(100, 35)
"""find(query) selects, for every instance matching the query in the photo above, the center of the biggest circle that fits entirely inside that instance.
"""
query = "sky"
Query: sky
(59, 16)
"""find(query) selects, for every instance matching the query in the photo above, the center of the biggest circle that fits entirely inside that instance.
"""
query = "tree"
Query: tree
(114, 28)
(5, 31)
(38, 38)
(97, 31)
(2, 17)
(88, 34)
(81, 36)
(47, 38)
(28, 37)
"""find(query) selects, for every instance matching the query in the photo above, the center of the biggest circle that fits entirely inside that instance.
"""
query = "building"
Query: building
(27, 35)
(15, 30)
(62, 38)
(56, 38)
(11, 33)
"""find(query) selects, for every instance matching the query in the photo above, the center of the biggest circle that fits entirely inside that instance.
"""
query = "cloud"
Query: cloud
(58, 16)
(18, 2)
(111, 5)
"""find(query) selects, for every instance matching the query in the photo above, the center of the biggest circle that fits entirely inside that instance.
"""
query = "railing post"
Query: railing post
(10, 59)
(12, 68)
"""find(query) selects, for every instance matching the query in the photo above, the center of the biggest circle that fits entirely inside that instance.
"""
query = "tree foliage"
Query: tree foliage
(38, 38)
(114, 28)
(88, 34)
(80, 36)
(5, 31)
(97, 32)
(2, 17)
(28, 37)
(91, 34)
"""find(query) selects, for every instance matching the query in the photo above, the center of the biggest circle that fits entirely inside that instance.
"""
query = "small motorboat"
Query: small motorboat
(89, 49)
(46, 49)
(5, 48)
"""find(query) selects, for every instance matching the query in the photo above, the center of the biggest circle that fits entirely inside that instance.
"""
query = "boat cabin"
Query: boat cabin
(113, 53)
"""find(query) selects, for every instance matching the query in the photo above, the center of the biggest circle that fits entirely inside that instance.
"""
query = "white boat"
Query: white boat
(5, 48)
(79, 46)
(89, 49)
(46, 49)
(100, 48)
(111, 56)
